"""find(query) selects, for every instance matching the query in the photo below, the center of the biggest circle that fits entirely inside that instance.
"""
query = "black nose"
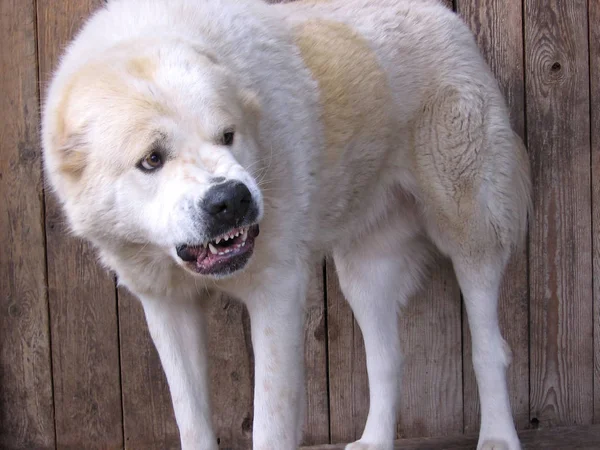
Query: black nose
(227, 202)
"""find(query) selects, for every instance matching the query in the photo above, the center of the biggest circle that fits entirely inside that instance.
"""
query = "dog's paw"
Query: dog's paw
(499, 444)
(360, 445)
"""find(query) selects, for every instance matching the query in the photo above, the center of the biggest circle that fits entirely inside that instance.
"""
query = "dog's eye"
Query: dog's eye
(227, 138)
(151, 162)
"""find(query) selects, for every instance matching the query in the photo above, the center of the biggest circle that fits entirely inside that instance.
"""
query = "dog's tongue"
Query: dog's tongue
(201, 253)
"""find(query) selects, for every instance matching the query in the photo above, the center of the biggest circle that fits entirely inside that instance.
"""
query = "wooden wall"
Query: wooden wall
(78, 369)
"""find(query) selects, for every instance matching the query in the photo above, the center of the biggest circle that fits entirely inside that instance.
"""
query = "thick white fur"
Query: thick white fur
(441, 170)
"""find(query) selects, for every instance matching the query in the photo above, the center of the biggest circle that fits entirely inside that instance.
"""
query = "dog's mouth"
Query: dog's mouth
(222, 255)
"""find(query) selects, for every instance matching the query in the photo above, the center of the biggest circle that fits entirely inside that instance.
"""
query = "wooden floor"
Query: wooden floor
(78, 369)
(580, 438)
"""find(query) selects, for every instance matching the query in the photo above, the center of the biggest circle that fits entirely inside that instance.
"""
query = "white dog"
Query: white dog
(372, 130)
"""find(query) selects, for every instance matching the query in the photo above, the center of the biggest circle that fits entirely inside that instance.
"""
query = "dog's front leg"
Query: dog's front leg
(277, 321)
(177, 328)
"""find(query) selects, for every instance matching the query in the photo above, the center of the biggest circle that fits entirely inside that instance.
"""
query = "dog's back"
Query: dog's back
(407, 101)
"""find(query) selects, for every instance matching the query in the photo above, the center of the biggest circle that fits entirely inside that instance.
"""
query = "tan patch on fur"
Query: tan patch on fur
(100, 80)
(141, 68)
(66, 142)
(353, 87)
(72, 157)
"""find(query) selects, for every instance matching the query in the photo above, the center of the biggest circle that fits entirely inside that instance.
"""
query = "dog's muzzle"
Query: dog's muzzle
(227, 205)
(229, 214)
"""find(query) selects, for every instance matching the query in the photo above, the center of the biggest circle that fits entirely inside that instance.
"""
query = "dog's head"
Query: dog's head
(152, 143)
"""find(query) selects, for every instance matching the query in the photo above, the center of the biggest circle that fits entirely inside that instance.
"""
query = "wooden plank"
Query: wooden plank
(148, 419)
(347, 365)
(431, 397)
(316, 422)
(498, 29)
(231, 372)
(594, 40)
(558, 135)
(580, 438)
(83, 317)
(26, 410)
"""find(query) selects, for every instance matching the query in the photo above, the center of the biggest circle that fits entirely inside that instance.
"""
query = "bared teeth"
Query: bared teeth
(243, 232)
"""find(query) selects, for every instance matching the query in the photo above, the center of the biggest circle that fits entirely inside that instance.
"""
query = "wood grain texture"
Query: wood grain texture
(316, 423)
(231, 372)
(348, 386)
(558, 135)
(498, 29)
(83, 316)
(594, 40)
(580, 438)
(430, 333)
(148, 418)
(26, 410)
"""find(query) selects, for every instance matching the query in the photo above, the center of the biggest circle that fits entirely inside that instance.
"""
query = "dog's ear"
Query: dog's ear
(65, 126)
(71, 154)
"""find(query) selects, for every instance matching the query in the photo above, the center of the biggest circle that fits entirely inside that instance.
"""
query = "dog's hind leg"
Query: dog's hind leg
(474, 180)
(377, 275)
(479, 281)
